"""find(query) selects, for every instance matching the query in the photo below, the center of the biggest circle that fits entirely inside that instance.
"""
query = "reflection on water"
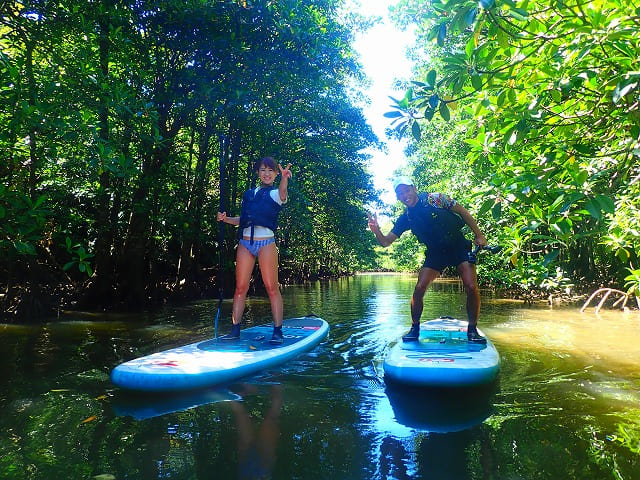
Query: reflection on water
(441, 410)
(566, 405)
(257, 444)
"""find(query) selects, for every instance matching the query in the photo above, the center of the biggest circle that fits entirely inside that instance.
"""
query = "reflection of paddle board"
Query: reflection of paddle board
(216, 361)
(442, 357)
(143, 406)
(441, 410)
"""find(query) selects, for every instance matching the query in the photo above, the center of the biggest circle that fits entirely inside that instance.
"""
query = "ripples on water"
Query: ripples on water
(569, 383)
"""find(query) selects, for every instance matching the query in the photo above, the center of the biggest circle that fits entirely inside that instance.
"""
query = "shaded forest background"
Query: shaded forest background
(529, 113)
(127, 124)
(116, 118)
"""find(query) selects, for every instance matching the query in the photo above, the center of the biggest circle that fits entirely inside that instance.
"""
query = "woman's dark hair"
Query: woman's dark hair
(268, 162)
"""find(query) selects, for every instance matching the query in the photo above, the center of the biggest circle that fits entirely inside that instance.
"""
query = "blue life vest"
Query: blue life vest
(438, 228)
(258, 208)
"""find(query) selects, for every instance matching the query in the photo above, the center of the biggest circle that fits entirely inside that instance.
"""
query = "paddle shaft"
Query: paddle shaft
(220, 237)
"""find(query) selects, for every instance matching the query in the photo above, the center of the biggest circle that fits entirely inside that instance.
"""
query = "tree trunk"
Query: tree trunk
(100, 291)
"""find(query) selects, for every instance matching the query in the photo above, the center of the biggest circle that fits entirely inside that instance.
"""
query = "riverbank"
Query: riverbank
(46, 301)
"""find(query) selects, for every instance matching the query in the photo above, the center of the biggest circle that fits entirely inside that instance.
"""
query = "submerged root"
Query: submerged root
(606, 293)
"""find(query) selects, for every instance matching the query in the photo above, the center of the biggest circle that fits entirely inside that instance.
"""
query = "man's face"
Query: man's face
(407, 194)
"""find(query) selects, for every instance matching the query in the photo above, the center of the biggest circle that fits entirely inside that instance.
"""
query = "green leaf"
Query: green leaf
(519, 14)
(433, 101)
(444, 111)
(496, 211)
(429, 113)
(556, 203)
(393, 114)
(442, 34)
(24, 248)
(487, 4)
(415, 131)
(501, 98)
(606, 203)
(431, 78)
(39, 201)
(622, 89)
(469, 47)
(470, 16)
(623, 254)
(476, 81)
(550, 257)
(583, 149)
(593, 208)
(503, 39)
(486, 205)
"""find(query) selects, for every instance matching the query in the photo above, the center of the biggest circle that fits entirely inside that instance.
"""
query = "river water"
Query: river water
(566, 406)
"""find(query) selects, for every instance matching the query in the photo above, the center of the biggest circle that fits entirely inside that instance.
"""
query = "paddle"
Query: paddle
(473, 255)
(220, 237)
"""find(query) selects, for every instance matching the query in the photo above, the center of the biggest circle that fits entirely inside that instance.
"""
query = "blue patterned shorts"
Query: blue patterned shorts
(255, 247)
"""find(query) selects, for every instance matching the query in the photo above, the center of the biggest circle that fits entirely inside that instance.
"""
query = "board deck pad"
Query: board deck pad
(258, 337)
(442, 357)
(219, 360)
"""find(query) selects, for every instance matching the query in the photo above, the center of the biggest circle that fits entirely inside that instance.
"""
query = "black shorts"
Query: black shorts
(439, 259)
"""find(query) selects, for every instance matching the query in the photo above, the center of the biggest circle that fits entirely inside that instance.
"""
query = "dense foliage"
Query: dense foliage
(535, 103)
(122, 121)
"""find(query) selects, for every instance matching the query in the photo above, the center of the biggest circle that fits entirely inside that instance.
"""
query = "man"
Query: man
(436, 219)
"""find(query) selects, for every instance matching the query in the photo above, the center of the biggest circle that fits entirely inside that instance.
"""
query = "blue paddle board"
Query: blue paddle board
(442, 357)
(216, 361)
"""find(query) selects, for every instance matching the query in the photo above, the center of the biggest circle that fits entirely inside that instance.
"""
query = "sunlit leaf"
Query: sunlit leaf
(622, 89)
(623, 254)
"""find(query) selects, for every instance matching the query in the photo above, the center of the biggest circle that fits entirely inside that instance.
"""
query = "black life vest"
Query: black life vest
(438, 228)
(258, 208)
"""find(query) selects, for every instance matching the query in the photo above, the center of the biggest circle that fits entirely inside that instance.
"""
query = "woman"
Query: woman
(258, 221)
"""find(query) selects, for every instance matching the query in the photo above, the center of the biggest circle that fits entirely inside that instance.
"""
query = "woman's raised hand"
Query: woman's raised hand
(285, 172)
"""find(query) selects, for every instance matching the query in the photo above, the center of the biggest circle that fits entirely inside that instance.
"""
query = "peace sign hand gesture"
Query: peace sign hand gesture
(373, 222)
(285, 172)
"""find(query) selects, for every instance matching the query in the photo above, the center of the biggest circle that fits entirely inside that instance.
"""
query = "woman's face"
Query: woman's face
(266, 174)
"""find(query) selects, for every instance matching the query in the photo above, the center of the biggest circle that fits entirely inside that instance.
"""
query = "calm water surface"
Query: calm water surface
(567, 405)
